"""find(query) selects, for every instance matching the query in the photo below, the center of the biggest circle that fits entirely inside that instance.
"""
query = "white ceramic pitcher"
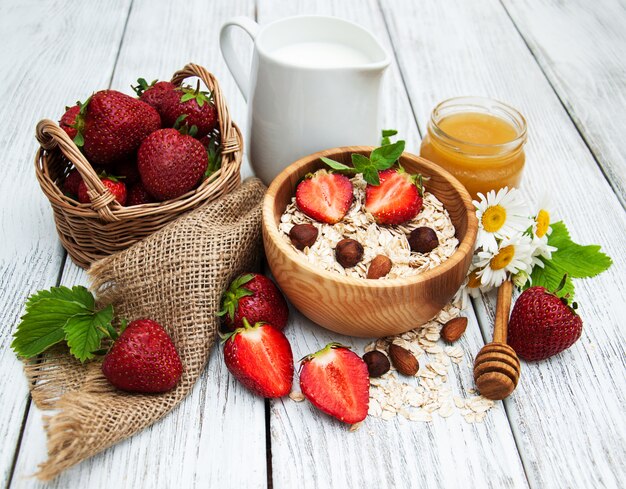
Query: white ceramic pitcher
(299, 105)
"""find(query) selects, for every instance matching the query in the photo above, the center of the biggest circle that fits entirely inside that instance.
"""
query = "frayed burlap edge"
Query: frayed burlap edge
(199, 253)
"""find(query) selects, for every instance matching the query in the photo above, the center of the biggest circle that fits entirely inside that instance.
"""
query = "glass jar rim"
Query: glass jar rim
(485, 105)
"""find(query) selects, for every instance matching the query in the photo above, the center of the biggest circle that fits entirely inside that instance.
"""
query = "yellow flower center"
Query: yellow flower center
(503, 258)
(543, 223)
(493, 218)
(473, 280)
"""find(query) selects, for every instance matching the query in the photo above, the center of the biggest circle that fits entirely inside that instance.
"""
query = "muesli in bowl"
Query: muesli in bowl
(335, 298)
(390, 251)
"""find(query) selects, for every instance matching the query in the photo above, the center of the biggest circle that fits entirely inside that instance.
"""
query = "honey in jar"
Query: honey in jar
(479, 140)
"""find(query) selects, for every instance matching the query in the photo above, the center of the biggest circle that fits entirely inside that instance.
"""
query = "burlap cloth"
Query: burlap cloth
(175, 277)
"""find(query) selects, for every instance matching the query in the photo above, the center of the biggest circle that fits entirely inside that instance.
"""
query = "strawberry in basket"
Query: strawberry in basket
(154, 93)
(190, 105)
(171, 163)
(111, 125)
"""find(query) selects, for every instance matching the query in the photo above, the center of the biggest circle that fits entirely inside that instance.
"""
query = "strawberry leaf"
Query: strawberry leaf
(188, 96)
(571, 259)
(83, 332)
(42, 325)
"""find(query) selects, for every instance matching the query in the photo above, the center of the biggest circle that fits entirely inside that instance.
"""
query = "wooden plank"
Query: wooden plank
(310, 449)
(201, 442)
(565, 411)
(37, 54)
(580, 47)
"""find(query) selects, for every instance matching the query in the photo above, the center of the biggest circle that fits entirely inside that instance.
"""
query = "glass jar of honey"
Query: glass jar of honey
(479, 140)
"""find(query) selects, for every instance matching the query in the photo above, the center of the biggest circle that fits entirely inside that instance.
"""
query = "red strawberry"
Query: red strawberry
(336, 381)
(171, 163)
(396, 200)
(71, 183)
(152, 94)
(542, 324)
(143, 359)
(196, 107)
(112, 125)
(127, 170)
(324, 196)
(260, 358)
(137, 195)
(117, 188)
(68, 120)
(255, 297)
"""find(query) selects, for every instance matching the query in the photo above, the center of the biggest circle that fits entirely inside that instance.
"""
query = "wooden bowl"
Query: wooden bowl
(362, 307)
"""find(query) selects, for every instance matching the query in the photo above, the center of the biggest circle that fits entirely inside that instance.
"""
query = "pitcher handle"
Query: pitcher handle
(241, 76)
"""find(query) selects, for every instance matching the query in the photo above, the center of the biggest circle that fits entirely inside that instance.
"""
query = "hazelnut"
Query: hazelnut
(303, 235)
(379, 267)
(377, 363)
(404, 361)
(423, 240)
(454, 329)
(348, 252)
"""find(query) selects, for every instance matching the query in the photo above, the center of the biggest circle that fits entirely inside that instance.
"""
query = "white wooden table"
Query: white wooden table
(561, 63)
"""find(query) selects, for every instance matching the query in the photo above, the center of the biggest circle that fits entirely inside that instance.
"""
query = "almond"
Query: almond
(454, 329)
(379, 267)
(404, 361)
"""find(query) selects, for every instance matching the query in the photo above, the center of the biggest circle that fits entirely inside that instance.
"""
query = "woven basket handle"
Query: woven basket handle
(230, 142)
(51, 136)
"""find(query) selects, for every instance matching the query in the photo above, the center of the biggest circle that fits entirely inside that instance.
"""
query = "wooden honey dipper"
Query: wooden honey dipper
(497, 368)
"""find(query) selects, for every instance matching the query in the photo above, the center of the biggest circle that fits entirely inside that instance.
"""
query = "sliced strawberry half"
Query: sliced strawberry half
(336, 381)
(260, 358)
(396, 200)
(324, 196)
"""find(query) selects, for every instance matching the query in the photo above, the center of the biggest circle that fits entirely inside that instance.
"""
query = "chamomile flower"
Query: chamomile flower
(541, 219)
(500, 215)
(512, 256)
(540, 249)
(540, 231)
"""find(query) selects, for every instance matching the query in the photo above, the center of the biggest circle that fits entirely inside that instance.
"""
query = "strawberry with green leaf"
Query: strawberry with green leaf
(260, 358)
(141, 359)
(543, 324)
(256, 298)
(111, 126)
(194, 104)
(152, 93)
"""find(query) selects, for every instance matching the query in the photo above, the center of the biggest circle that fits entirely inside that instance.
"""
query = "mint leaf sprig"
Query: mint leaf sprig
(63, 314)
(380, 159)
(570, 259)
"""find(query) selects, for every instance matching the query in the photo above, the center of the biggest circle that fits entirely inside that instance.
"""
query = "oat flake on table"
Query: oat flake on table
(391, 395)
(376, 240)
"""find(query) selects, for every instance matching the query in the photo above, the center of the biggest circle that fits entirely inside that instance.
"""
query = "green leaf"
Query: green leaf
(385, 156)
(42, 325)
(370, 175)
(550, 277)
(188, 96)
(576, 260)
(361, 163)
(335, 165)
(79, 140)
(387, 133)
(83, 332)
(78, 294)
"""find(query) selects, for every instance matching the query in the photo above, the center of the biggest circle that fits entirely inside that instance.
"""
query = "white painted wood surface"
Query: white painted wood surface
(562, 428)
(580, 46)
(564, 410)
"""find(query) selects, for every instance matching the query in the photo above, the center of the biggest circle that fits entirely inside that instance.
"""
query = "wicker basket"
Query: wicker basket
(102, 227)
